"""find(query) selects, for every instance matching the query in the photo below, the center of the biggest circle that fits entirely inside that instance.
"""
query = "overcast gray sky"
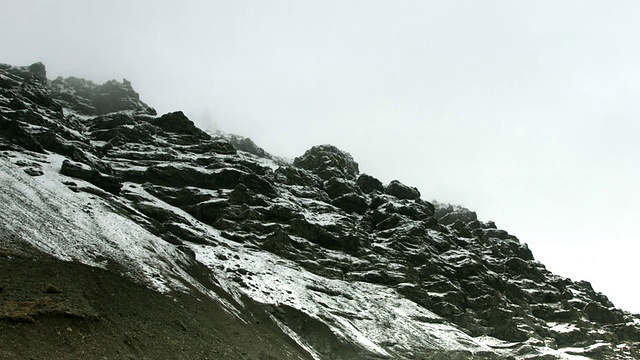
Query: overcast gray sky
(525, 111)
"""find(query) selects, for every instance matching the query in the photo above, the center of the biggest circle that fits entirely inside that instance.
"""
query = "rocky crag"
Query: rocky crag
(337, 264)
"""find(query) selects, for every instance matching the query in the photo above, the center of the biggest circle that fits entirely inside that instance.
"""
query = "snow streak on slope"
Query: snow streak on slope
(79, 226)
(84, 227)
(367, 314)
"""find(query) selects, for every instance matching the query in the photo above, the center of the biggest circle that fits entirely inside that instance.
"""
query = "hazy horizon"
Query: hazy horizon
(525, 112)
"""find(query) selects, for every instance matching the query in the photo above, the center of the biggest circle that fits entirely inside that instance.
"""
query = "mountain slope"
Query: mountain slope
(331, 263)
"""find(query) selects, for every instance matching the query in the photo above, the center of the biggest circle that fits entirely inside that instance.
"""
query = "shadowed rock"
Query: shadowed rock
(369, 184)
(105, 182)
(402, 191)
(358, 260)
(327, 161)
(351, 203)
(178, 122)
(13, 132)
(88, 98)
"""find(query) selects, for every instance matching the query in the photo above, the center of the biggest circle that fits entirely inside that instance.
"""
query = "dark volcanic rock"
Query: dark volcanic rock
(402, 191)
(170, 175)
(369, 184)
(295, 176)
(600, 314)
(12, 131)
(51, 141)
(278, 242)
(351, 203)
(318, 235)
(26, 87)
(336, 187)
(242, 195)
(114, 96)
(448, 214)
(105, 182)
(213, 146)
(208, 211)
(350, 261)
(39, 72)
(327, 161)
(180, 197)
(178, 122)
(88, 98)
(247, 145)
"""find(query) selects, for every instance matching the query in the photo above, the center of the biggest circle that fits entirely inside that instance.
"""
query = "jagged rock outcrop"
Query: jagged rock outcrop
(177, 122)
(369, 184)
(247, 145)
(348, 268)
(402, 191)
(88, 98)
(327, 161)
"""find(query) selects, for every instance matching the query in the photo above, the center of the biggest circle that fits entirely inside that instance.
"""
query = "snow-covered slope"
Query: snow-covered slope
(346, 266)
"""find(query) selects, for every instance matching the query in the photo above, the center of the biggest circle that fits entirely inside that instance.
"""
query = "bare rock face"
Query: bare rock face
(14, 133)
(369, 184)
(177, 122)
(26, 89)
(402, 191)
(105, 182)
(330, 260)
(39, 72)
(88, 98)
(247, 145)
(327, 161)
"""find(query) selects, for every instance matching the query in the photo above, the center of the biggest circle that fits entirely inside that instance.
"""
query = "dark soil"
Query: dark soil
(52, 309)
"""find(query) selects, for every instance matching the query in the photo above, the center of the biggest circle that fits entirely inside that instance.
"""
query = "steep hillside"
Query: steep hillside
(163, 241)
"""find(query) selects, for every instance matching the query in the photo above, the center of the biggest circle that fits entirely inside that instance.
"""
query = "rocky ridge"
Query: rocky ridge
(344, 265)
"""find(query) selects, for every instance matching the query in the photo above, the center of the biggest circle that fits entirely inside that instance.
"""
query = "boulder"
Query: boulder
(327, 161)
(369, 184)
(39, 72)
(178, 122)
(401, 191)
(114, 96)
